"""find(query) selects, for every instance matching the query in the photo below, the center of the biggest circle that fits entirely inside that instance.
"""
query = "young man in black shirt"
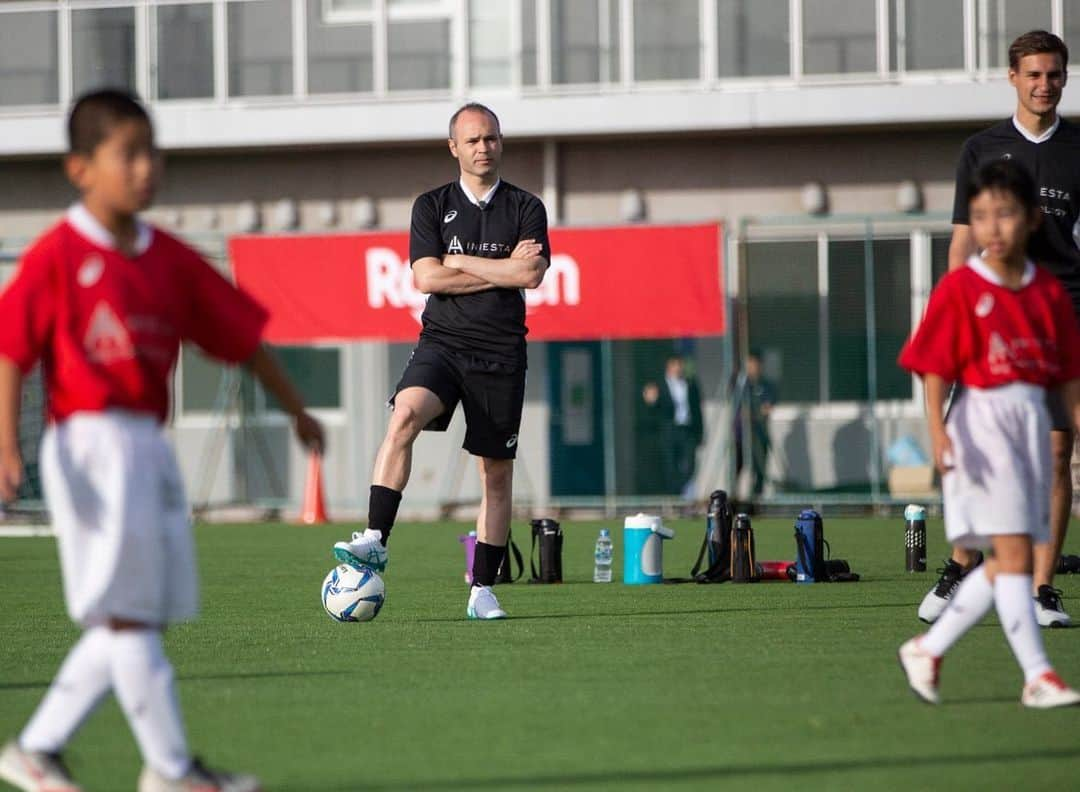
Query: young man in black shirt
(1048, 147)
(475, 245)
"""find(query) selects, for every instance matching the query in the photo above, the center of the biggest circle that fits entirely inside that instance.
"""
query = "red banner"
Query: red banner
(633, 282)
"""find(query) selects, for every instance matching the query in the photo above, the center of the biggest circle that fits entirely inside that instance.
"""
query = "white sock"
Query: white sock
(143, 680)
(1016, 609)
(79, 685)
(968, 605)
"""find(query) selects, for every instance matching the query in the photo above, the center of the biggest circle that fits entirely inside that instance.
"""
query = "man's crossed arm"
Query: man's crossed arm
(460, 274)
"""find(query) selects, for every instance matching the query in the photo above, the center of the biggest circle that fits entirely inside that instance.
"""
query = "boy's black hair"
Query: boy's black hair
(1037, 42)
(1007, 176)
(94, 114)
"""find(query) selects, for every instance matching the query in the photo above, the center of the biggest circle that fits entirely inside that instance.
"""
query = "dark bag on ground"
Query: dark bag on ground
(548, 535)
(812, 564)
(716, 547)
(743, 567)
(503, 575)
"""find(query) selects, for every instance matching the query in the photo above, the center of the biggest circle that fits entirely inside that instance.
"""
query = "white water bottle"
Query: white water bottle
(602, 556)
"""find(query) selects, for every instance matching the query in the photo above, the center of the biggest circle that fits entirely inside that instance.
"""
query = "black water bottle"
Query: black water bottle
(915, 538)
(716, 524)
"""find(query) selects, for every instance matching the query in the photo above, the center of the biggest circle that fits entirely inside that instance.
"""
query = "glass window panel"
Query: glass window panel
(939, 256)
(260, 48)
(29, 73)
(419, 55)
(667, 44)
(848, 368)
(839, 37)
(753, 38)
(102, 49)
(926, 34)
(201, 381)
(528, 42)
(1071, 34)
(584, 41)
(490, 57)
(339, 56)
(346, 5)
(1001, 21)
(782, 313)
(185, 51)
(316, 372)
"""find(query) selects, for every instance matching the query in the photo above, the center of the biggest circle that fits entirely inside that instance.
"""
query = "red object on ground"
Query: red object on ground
(774, 570)
(314, 510)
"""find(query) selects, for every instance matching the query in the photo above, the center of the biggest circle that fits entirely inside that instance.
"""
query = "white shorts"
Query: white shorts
(1000, 482)
(121, 519)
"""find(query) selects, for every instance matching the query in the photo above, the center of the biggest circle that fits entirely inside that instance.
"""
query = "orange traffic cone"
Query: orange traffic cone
(314, 511)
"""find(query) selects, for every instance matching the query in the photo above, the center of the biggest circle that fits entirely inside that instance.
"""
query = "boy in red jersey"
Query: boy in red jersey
(1006, 331)
(103, 301)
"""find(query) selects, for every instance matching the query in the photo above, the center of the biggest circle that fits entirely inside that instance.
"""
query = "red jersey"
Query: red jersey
(983, 334)
(108, 328)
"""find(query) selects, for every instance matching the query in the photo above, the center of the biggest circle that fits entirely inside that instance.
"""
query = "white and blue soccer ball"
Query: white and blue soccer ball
(352, 594)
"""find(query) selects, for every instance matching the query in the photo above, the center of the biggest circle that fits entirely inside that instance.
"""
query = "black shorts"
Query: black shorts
(492, 395)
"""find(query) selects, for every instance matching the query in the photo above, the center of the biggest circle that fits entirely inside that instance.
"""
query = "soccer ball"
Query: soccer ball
(352, 594)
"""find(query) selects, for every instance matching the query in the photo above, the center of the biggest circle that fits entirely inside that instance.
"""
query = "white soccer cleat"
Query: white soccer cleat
(922, 670)
(1047, 692)
(31, 771)
(199, 778)
(483, 605)
(1048, 608)
(366, 549)
(937, 598)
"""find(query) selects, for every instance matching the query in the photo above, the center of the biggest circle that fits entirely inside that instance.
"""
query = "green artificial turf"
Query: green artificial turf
(587, 686)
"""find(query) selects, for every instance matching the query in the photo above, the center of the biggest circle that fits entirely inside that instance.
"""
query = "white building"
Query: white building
(805, 126)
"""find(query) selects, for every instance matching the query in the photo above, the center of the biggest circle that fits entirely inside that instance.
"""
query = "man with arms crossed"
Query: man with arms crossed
(475, 244)
(1048, 148)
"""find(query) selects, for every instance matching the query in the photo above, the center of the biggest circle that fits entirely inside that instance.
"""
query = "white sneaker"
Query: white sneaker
(921, 669)
(1048, 608)
(366, 549)
(31, 771)
(198, 779)
(1047, 692)
(483, 605)
(937, 598)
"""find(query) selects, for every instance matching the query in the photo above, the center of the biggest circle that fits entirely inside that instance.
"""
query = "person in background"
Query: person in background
(753, 401)
(676, 406)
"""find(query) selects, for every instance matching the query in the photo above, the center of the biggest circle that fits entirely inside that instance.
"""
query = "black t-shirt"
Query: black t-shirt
(488, 324)
(1054, 165)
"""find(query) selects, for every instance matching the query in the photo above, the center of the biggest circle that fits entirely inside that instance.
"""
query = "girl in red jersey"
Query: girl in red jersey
(103, 301)
(1005, 329)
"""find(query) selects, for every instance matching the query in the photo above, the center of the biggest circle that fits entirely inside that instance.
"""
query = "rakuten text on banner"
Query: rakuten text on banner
(634, 282)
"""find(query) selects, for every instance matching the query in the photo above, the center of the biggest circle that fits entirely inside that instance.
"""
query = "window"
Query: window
(29, 74)
(102, 49)
(528, 42)
(584, 41)
(316, 372)
(848, 320)
(667, 45)
(839, 37)
(490, 55)
(260, 48)
(201, 382)
(783, 316)
(419, 55)
(339, 55)
(926, 34)
(939, 256)
(1001, 21)
(752, 38)
(185, 51)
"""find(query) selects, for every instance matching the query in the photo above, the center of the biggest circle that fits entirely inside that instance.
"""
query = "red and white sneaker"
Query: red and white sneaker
(32, 771)
(199, 778)
(922, 670)
(1047, 692)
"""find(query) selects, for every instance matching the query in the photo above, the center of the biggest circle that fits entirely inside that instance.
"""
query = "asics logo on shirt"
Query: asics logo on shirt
(90, 271)
(449, 215)
(984, 305)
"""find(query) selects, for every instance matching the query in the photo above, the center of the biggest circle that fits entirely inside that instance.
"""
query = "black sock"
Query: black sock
(382, 510)
(486, 562)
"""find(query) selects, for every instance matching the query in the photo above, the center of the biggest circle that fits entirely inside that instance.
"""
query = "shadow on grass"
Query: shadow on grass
(763, 611)
(716, 773)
